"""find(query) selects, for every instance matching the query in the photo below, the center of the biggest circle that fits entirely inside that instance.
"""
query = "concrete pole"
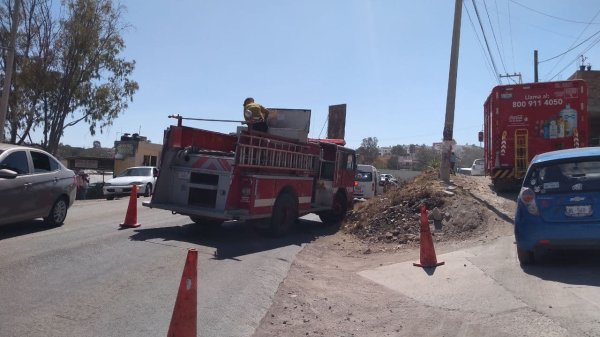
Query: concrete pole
(9, 68)
(451, 98)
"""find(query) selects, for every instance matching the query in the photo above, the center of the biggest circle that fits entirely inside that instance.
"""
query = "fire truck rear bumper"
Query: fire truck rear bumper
(195, 211)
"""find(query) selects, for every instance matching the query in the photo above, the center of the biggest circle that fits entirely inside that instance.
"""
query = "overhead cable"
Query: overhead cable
(486, 41)
(552, 16)
(487, 61)
(494, 36)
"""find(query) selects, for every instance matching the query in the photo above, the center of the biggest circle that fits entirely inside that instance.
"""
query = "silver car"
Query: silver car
(34, 184)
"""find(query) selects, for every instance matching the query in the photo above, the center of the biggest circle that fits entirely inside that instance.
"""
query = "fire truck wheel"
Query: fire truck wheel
(338, 211)
(285, 214)
(207, 222)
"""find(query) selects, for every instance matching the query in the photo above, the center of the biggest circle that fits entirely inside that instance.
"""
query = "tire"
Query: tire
(338, 210)
(285, 214)
(110, 197)
(206, 222)
(148, 191)
(58, 213)
(525, 256)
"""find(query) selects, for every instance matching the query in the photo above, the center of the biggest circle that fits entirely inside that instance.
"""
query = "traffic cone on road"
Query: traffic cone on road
(427, 258)
(131, 216)
(183, 321)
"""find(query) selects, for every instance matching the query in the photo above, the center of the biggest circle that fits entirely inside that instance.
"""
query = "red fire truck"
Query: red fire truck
(523, 120)
(213, 177)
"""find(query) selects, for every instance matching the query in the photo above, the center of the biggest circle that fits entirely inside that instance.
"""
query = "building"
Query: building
(592, 77)
(385, 150)
(135, 150)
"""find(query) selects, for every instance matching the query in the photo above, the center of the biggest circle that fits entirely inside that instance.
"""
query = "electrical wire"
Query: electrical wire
(487, 61)
(494, 36)
(512, 48)
(595, 42)
(571, 49)
(486, 42)
(554, 17)
(571, 46)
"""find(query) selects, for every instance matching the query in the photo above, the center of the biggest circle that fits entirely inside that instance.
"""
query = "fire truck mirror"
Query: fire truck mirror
(480, 136)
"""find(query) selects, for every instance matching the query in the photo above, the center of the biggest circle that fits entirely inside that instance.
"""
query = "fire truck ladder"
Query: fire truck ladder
(521, 152)
(261, 152)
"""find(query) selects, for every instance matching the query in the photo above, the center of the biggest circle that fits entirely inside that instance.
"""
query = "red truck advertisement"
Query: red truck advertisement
(523, 120)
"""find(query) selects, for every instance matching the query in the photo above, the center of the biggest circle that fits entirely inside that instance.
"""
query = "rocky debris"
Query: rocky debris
(394, 216)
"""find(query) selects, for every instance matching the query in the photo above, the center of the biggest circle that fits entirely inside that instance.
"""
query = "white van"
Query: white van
(366, 181)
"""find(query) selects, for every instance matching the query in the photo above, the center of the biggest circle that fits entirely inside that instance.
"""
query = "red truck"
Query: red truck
(523, 120)
(272, 177)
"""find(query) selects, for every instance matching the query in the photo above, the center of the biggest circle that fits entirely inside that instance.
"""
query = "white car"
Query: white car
(477, 169)
(142, 176)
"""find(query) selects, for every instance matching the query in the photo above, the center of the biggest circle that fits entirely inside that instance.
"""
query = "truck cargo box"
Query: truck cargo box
(523, 120)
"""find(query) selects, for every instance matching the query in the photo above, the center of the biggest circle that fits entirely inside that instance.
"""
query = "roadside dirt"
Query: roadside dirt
(324, 296)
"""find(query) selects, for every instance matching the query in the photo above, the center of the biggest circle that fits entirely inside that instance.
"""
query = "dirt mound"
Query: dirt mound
(394, 216)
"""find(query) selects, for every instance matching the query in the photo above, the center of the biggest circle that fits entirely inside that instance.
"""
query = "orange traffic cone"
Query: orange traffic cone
(131, 216)
(427, 258)
(183, 321)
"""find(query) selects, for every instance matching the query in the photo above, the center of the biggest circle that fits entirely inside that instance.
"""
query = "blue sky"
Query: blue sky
(388, 60)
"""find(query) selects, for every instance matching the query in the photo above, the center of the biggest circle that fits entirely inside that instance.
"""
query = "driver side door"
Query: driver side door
(16, 193)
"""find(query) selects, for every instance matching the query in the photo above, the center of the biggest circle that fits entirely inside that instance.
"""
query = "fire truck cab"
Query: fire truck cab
(248, 175)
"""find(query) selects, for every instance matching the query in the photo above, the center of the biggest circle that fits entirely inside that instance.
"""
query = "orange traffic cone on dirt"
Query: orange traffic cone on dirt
(183, 321)
(131, 216)
(427, 258)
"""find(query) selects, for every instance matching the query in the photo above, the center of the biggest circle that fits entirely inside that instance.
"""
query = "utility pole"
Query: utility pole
(451, 97)
(513, 75)
(535, 66)
(9, 67)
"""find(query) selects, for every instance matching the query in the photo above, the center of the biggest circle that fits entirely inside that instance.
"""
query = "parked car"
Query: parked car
(387, 177)
(142, 176)
(558, 206)
(477, 169)
(34, 184)
(366, 181)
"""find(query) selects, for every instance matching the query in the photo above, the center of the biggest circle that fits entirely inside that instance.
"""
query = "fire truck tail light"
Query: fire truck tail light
(355, 183)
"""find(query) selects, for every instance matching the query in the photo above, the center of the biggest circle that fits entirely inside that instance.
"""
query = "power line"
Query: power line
(512, 48)
(595, 42)
(486, 42)
(570, 49)
(494, 36)
(487, 61)
(552, 16)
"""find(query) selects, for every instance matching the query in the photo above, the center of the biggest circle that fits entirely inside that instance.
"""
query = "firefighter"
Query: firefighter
(255, 115)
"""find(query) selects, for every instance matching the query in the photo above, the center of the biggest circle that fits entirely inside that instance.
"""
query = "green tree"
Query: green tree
(368, 151)
(468, 154)
(399, 150)
(70, 70)
(392, 163)
(426, 157)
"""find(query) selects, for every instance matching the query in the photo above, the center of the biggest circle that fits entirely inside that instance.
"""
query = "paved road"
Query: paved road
(88, 278)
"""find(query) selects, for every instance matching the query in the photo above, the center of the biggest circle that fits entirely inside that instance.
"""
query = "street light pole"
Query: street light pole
(451, 97)
(9, 68)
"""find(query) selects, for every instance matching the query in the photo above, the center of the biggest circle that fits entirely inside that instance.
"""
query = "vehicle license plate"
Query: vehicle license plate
(579, 211)
(118, 190)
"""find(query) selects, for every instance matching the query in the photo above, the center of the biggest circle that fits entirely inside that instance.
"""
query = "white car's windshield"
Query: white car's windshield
(137, 172)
